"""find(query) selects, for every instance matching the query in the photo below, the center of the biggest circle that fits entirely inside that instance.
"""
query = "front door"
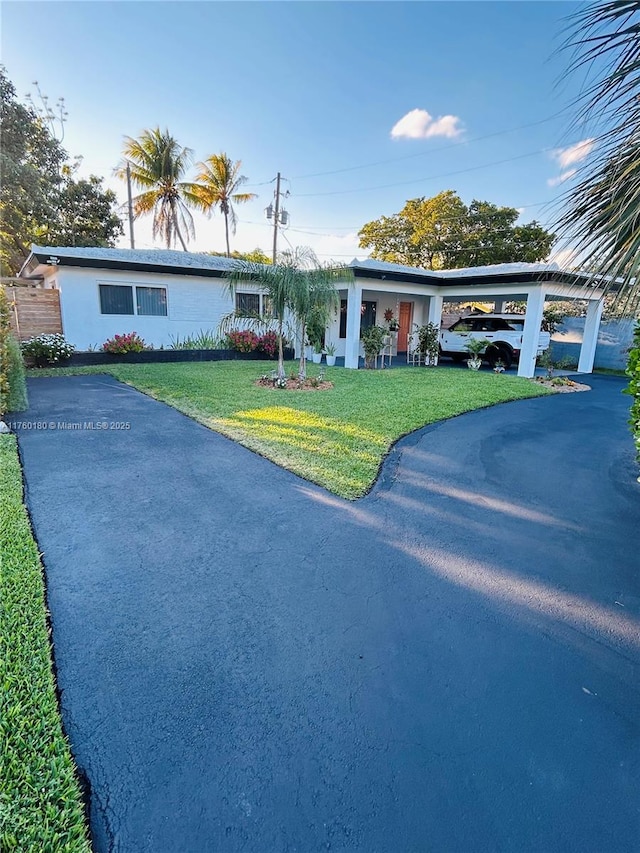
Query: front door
(406, 315)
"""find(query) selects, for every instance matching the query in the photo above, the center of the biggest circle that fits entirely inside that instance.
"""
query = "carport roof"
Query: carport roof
(494, 274)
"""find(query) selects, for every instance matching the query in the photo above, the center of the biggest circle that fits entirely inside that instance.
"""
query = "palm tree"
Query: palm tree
(158, 163)
(216, 185)
(297, 283)
(601, 216)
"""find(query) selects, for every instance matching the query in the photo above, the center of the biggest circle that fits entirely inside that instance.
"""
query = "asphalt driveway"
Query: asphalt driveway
(248, 663)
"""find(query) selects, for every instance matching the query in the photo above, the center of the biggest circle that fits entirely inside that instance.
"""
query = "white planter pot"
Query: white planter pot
(331, 360)
(317, 357)
(474, 363)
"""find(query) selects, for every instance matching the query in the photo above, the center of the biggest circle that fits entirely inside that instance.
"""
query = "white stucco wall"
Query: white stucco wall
(193, 303)
(384, 300)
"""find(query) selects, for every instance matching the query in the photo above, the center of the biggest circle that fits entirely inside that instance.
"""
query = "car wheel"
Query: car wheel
(494, 354)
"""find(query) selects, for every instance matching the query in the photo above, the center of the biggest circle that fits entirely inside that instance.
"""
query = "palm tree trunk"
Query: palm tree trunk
(184, 245)
(280, 351)
(226, 231)
(302, 367)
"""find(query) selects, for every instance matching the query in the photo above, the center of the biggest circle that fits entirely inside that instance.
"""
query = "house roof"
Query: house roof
(201, 264)
(144, 260)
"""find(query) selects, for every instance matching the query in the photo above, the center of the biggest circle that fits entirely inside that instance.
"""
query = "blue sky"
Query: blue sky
(429, 89)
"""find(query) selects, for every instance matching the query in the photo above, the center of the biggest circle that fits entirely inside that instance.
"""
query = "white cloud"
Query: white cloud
(565, 258)
(574, 153)
(419, 124)
(560, 179)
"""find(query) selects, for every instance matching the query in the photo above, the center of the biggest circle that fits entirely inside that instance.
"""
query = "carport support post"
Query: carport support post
(531, 332)
(590, 336)
(435, 310)
(354, 315)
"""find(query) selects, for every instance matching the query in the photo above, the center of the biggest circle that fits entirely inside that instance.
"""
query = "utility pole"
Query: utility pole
(133, 245)
(280, 217)
(275, 219)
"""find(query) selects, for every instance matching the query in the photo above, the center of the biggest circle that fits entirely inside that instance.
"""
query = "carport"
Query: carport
(395, 286)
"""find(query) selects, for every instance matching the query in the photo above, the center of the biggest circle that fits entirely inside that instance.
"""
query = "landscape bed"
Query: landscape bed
(337, 438)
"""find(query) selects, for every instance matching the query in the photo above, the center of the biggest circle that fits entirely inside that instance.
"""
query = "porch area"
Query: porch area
(414, 297)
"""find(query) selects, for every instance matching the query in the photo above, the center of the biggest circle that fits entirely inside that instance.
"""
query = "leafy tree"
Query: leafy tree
(40, 201)
(216, 185)
(30, 177)
(256, 255)
(158, 163)
(444, 233)
(600, 218)
(86, 215)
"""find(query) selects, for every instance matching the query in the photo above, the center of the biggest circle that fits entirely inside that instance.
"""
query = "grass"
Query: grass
(610, 371)
(335, 438)
(41, 804)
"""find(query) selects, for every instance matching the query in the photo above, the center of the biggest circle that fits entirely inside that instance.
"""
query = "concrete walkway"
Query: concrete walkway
(248, 663)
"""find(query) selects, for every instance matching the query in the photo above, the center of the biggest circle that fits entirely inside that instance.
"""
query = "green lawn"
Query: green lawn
(335, 438)
(40, 804)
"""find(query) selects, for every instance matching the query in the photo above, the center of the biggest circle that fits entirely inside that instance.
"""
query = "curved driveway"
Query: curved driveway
(247, 663)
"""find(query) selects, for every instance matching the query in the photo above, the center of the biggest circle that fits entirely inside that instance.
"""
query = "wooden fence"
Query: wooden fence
(34, 311)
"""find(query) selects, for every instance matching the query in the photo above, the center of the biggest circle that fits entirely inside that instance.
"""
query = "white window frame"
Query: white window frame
(133, 285)
(262, 300)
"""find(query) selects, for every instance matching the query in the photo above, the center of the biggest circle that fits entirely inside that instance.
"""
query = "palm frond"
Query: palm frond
(601, 215)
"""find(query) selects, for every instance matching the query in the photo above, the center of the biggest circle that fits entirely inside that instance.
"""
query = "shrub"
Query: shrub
(205, 339)
(268, 344)
(17, 398)
(633, 370)
(47, 349)
(243, 341)
(120, 344)
(4, 352)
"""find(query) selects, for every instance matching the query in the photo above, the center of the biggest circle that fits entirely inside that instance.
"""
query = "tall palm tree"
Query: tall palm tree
(296, 284)
(216, 185)
(158, 164)
(601, 215)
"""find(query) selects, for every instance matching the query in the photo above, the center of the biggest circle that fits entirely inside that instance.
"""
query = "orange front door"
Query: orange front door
(406, 315)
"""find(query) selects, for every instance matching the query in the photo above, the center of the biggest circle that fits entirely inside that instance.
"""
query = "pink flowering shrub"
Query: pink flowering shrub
(268, 344)
(120, 344)
(245, 341)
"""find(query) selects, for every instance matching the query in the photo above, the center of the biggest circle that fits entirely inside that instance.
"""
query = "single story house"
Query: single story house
(164, 294)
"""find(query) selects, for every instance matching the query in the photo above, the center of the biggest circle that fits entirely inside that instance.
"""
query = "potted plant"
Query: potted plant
(498, 367)
(372, 343)
(389, 317)
(317, 352)
(429, 338)
(475, 347)
(330, 351)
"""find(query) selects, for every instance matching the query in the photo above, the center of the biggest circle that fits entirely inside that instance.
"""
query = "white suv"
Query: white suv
(502, 331)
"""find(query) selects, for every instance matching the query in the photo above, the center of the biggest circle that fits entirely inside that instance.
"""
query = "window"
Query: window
(248, 304)
(343, 318)
(254, 305)
(367, 316)
(116, 299)
(151, 301)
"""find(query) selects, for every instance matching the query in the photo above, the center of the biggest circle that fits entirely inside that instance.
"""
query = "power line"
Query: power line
(332, 228)
(428, 178)
(429, 152)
